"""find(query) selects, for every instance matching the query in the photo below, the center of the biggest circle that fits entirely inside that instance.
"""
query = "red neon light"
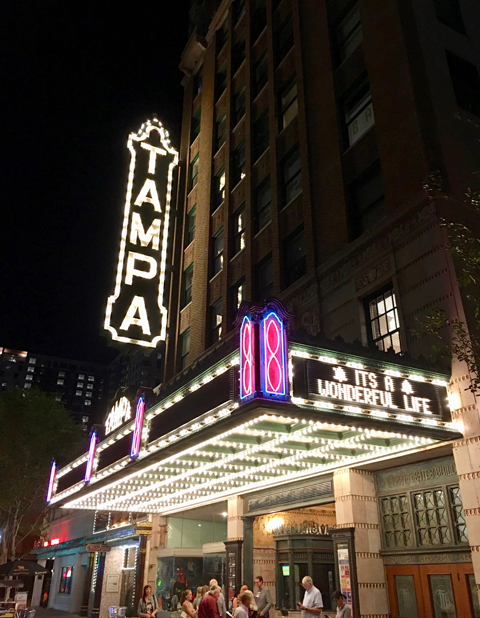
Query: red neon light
(273, 356)
(45, 543)
(137, 432)
(54, 541)
(247, 368)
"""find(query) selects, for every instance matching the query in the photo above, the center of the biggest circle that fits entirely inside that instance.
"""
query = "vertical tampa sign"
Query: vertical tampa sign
(136, 313)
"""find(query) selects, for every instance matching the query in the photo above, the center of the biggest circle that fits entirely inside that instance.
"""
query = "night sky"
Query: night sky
(76, 79)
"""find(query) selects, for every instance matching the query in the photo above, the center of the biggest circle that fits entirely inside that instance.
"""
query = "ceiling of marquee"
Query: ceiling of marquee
(257, 454)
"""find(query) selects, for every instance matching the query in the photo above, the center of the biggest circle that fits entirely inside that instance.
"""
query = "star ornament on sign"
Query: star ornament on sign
(407, 387)
(339, 374)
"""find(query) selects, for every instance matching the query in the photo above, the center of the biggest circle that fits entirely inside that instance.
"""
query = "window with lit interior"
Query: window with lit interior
(215, 321)
(218, 194)
(66, 576)
(382, 320)
(217, 253)
(238, 230)
(358, 110)
(238, 163)
(237, 295)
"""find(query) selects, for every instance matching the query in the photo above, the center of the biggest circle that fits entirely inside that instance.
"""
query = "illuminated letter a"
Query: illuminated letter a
(137, 305)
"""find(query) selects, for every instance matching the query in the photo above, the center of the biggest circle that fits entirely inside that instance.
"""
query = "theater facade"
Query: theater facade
(276, 457)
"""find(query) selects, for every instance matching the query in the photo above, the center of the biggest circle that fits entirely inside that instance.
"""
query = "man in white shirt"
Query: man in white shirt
(312, 605)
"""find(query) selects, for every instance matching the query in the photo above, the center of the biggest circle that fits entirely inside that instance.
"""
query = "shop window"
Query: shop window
(358, 111)
(218, 189)
(465, 82)
(237, 295)
(349, 34)
(396, 522)
(259, 19)
(217, 253)
(221, 80)
(196, 124)
(261, 135)
(260, 73)
(222, 35)
(66, 576)
(382, 320)
(284, 39)
(184, 349)
(294, 258)
(238, 230)
(367, 201)
(220, 130)
(190, 227)
(288, 103)
(458, 514)
(198, 82)
(238, 55)
(187, 285)
(262, 205)
(431, 517)
(238, 163)
(215, 321)
(264, 279)
(292, 176)
(448, 12)
(238, 105)
(193, 176)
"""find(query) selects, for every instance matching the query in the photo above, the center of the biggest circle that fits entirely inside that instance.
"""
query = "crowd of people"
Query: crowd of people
(209, 602)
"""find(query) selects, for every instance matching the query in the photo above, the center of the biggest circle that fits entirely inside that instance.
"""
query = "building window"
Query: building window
(59, 381)
(190, 227)
(61, 374)
(220, 130)
(32, 361)
(359, 113)
(448, 12)
(90, 387)
(382, 320)
(222, 35)
(261, 135)
(26, 385)
(187, 285)
(349, 34)
(215, 321)
(79, 384)
(198, 82)
(91, 378)
(193, 173)
(218, 189)
(264, 278)
(431, 517)
(294, 258)
(466, 83)
(81, 376)
(238, 105)
(396, 523)
(221, 80)
(66, 576)
(217, 253)
(87, 402)
(238, 9)
(260, 73)
(237, 295)
(292, 175)
(30, 377)
(284, 39)
(259, 19)
(30, 369)
(88, 394)
(367, 201)
(78, 393)
(288, 104)
(184, 349)
(458, 514)
(238, 55)
(238, 230)
(196, 124)
(238, 163)
(262, 205)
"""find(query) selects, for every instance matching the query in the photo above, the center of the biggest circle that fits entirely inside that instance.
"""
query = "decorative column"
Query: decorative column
(356, 507)
(87, 584)
(248, 551)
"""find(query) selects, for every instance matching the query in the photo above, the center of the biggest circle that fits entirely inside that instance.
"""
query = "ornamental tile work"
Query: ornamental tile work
(396, 521)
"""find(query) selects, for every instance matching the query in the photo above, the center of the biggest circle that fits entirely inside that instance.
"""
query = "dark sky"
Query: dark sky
(76, 78)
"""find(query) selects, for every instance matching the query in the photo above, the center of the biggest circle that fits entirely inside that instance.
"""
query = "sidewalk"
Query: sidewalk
(47, 612)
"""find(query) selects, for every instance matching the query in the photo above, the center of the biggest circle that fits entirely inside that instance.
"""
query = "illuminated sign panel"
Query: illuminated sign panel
(51, 481)
(136, 313)
(356, 384)
(247, 358)
(91, 457)
(137, 432)
(120, 412)
(273, 345)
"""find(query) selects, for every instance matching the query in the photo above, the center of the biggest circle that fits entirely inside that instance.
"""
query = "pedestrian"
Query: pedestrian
(198, 598)
(222, 608)
(263, 598)
(208, 607)
(343, 609)
(188, 611)
(147, 606)
(245, 600)
(235, 601)
(312, 605)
